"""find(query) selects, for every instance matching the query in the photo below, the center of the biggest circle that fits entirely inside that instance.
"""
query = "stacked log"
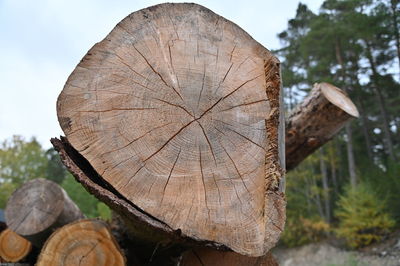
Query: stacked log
(85, 242)
(39, 207)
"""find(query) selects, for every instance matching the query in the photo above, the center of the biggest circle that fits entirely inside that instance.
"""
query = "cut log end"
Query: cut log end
(28, 210)
(38, 207)
(339, 98)
(85, 242)
(178, 110)
(13, 248)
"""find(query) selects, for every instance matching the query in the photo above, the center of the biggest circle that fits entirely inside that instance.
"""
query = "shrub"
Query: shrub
(300, 230)
(362, 217)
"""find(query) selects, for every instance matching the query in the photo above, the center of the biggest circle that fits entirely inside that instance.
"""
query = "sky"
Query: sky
(43, 40)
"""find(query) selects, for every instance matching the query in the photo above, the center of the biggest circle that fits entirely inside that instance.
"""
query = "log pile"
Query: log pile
(45, 195)
(175, 121)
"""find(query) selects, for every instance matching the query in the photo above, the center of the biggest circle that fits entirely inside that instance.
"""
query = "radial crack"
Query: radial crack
(244, 104)
(169, 176)
(208, 141)
(204, 183)
(165, 144)
(237, 170)
(152, 68)
(243, 136)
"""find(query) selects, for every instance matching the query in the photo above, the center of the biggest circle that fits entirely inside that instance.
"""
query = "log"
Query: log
(13, 248)
(84, 242)
(175, 115)
(315, 121)
(39, 207)
(211, 257)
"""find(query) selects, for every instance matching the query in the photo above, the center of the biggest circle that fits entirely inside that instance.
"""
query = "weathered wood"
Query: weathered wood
(315, 121)
(13, 248)
(39, 207)
(177, 113)
(211, 257)
(84, 242)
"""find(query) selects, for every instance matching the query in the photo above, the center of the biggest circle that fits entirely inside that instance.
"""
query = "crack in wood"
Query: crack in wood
(157, 73)
(169, 175)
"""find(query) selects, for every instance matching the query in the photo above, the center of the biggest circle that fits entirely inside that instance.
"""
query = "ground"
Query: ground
(386, 253)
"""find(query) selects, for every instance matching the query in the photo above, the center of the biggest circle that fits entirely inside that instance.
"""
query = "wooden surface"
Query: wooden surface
(37, 208)
(210, 257)
(178, 110)
(13, 248)
(315, 121)
(85, 242)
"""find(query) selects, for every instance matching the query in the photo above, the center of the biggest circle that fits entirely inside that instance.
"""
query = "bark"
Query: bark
(211, 257)
(39, 207)
(13, 248)
(85, 242)
(315, 121)
(325, 186)
(177, 114)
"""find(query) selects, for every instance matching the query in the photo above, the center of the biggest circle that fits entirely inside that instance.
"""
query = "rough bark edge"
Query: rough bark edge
(141, 224)
(275, 202)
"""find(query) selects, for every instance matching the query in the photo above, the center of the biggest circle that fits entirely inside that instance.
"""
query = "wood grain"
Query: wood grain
(178, 110)
(85, 242)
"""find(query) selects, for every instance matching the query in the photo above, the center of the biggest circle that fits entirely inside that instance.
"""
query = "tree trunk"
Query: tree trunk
(393, 6)
(13, 248)
(350, 156)
(333, 158)
(85, 242)
(177, 112)
(349, 146)
(317, 199)
(365, 127)
(39, 207)
(381, 103)
(325, 186)
(315, 121)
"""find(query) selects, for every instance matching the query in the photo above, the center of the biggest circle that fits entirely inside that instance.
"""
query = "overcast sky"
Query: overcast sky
(42, 41)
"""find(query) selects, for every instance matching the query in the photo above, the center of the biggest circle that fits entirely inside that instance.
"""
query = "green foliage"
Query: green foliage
(6, 190)
(362, 216)
(21, 160)
(55, 170)
(86, 202)
(103, 211)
